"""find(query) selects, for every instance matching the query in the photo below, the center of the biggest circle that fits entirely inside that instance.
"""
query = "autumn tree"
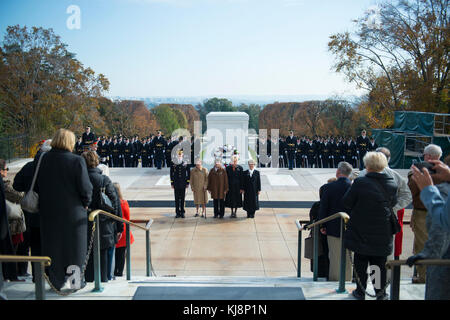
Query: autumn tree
(399, 54)
(43, 87)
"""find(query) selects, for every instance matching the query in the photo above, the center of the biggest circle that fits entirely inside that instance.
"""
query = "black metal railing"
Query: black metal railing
(395, 265)
(315, 226)
(39, 264)
(94, 216)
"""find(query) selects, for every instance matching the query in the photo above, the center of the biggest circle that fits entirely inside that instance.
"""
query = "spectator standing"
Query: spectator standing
(419, 214)
(109, 228)
(233, 199)
(369, 231)
(65, 193)
(331, 203)
(251, 187)
(121, 246)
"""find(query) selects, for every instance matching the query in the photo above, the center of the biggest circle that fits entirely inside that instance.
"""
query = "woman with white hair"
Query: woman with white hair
(370, 232)
(233, 199)
(251, 187)
(218, 188)
(199, 185)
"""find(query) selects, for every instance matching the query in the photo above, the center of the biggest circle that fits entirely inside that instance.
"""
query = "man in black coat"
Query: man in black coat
(128, 151)
(179, 179)
(233, 198)
(330, 204)
(251, 188)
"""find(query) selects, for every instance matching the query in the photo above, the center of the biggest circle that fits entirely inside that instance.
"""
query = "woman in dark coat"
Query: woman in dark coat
(369, 232)
(251, 187)
(64, 195)
(233, 199)
(109, 228)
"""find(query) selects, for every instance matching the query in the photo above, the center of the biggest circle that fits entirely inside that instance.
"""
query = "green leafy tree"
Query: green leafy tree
(167, 118)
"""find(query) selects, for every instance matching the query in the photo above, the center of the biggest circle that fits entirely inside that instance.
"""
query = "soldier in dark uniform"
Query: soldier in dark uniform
(326, 154)
(79, 146)
(179, 179)
(121, 143)
(115, 149)
(311, 154)
(291, 141)
(372, 145)
(281, 152)
(159, 145)
(103, 151)
(145, 154)
(299, 153)
(128, 151)
(350, 152)
(337, 153)
(88, 137)
(109, 143)
(318, 145)
(362, 146)
(137, 151)
(151, 152)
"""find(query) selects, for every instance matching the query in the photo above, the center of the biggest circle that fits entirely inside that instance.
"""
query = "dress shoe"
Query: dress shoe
(384, 296)
(358, 295)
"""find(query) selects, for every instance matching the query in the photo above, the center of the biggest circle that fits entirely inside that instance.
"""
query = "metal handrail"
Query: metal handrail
(315, 226)
(94, 216)
(39, 269)
(395, 265)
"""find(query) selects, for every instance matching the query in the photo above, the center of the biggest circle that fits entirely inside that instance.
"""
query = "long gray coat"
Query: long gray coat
(64, 192)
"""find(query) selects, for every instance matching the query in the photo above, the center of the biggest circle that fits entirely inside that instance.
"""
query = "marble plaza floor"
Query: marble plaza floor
(265, 246)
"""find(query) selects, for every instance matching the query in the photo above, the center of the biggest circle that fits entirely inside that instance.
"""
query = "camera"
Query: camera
(427, 165)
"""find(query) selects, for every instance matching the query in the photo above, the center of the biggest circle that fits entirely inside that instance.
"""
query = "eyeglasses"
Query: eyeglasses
(5, 169)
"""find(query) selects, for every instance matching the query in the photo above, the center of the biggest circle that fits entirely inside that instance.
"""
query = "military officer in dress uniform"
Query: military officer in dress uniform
(372, 146)
(79, 146)
(103, 151)
(128, 151)
(299, 153)
(291, 142)
(144, 153)
(337, 154)
(362, 146)
(159, 145)
(326, 154)
(115, 153)
(350, 152)
(179, 179)
(137, 151)
(311, 154)
(88, 137)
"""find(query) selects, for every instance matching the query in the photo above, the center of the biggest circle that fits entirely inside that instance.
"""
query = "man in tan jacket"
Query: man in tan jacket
(419, 214)
(218, 188)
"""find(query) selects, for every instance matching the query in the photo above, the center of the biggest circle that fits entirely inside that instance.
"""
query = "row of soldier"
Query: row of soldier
(296, 152)
(119, 151)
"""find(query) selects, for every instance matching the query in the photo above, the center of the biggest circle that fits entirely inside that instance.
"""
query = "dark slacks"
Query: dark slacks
(219, 207)
(120, 261)
(32, 242)
(89, 274)
(361, 263)
(180, 194)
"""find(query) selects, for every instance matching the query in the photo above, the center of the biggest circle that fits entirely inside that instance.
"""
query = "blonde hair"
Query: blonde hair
(63, 139)
(91, 158)
(119, 191)
(375, 161)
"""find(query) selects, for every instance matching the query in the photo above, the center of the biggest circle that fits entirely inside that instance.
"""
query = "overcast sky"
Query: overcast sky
(200, 47)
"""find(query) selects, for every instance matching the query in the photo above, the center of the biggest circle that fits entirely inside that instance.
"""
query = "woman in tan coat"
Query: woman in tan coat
(199, 186)
(218, 188)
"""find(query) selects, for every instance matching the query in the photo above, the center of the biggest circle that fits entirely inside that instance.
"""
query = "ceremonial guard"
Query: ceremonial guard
(350, 152)
(128, 151)
(299, 153)
(179, 179)
(159, 145)
(145, 156)
(233, 198)
(79, 146)
(103, 151)
(337, 154)
(372, 145)
(318, 145)
(121, 143)
(151, 152)
(291, 142)
(115, 153)
(326, 154)
(362, 146)
(311, 154)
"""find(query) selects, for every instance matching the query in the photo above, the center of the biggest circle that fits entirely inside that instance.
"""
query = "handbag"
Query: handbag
(309, 247)
(30, 202)
(104, 201)
(16, 218)
(395, 225)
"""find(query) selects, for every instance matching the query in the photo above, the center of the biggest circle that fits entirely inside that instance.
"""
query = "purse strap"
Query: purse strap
(386, 194)
(36, 171)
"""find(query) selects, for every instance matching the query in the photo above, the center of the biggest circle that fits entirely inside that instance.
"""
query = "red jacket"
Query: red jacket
(126, 215)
